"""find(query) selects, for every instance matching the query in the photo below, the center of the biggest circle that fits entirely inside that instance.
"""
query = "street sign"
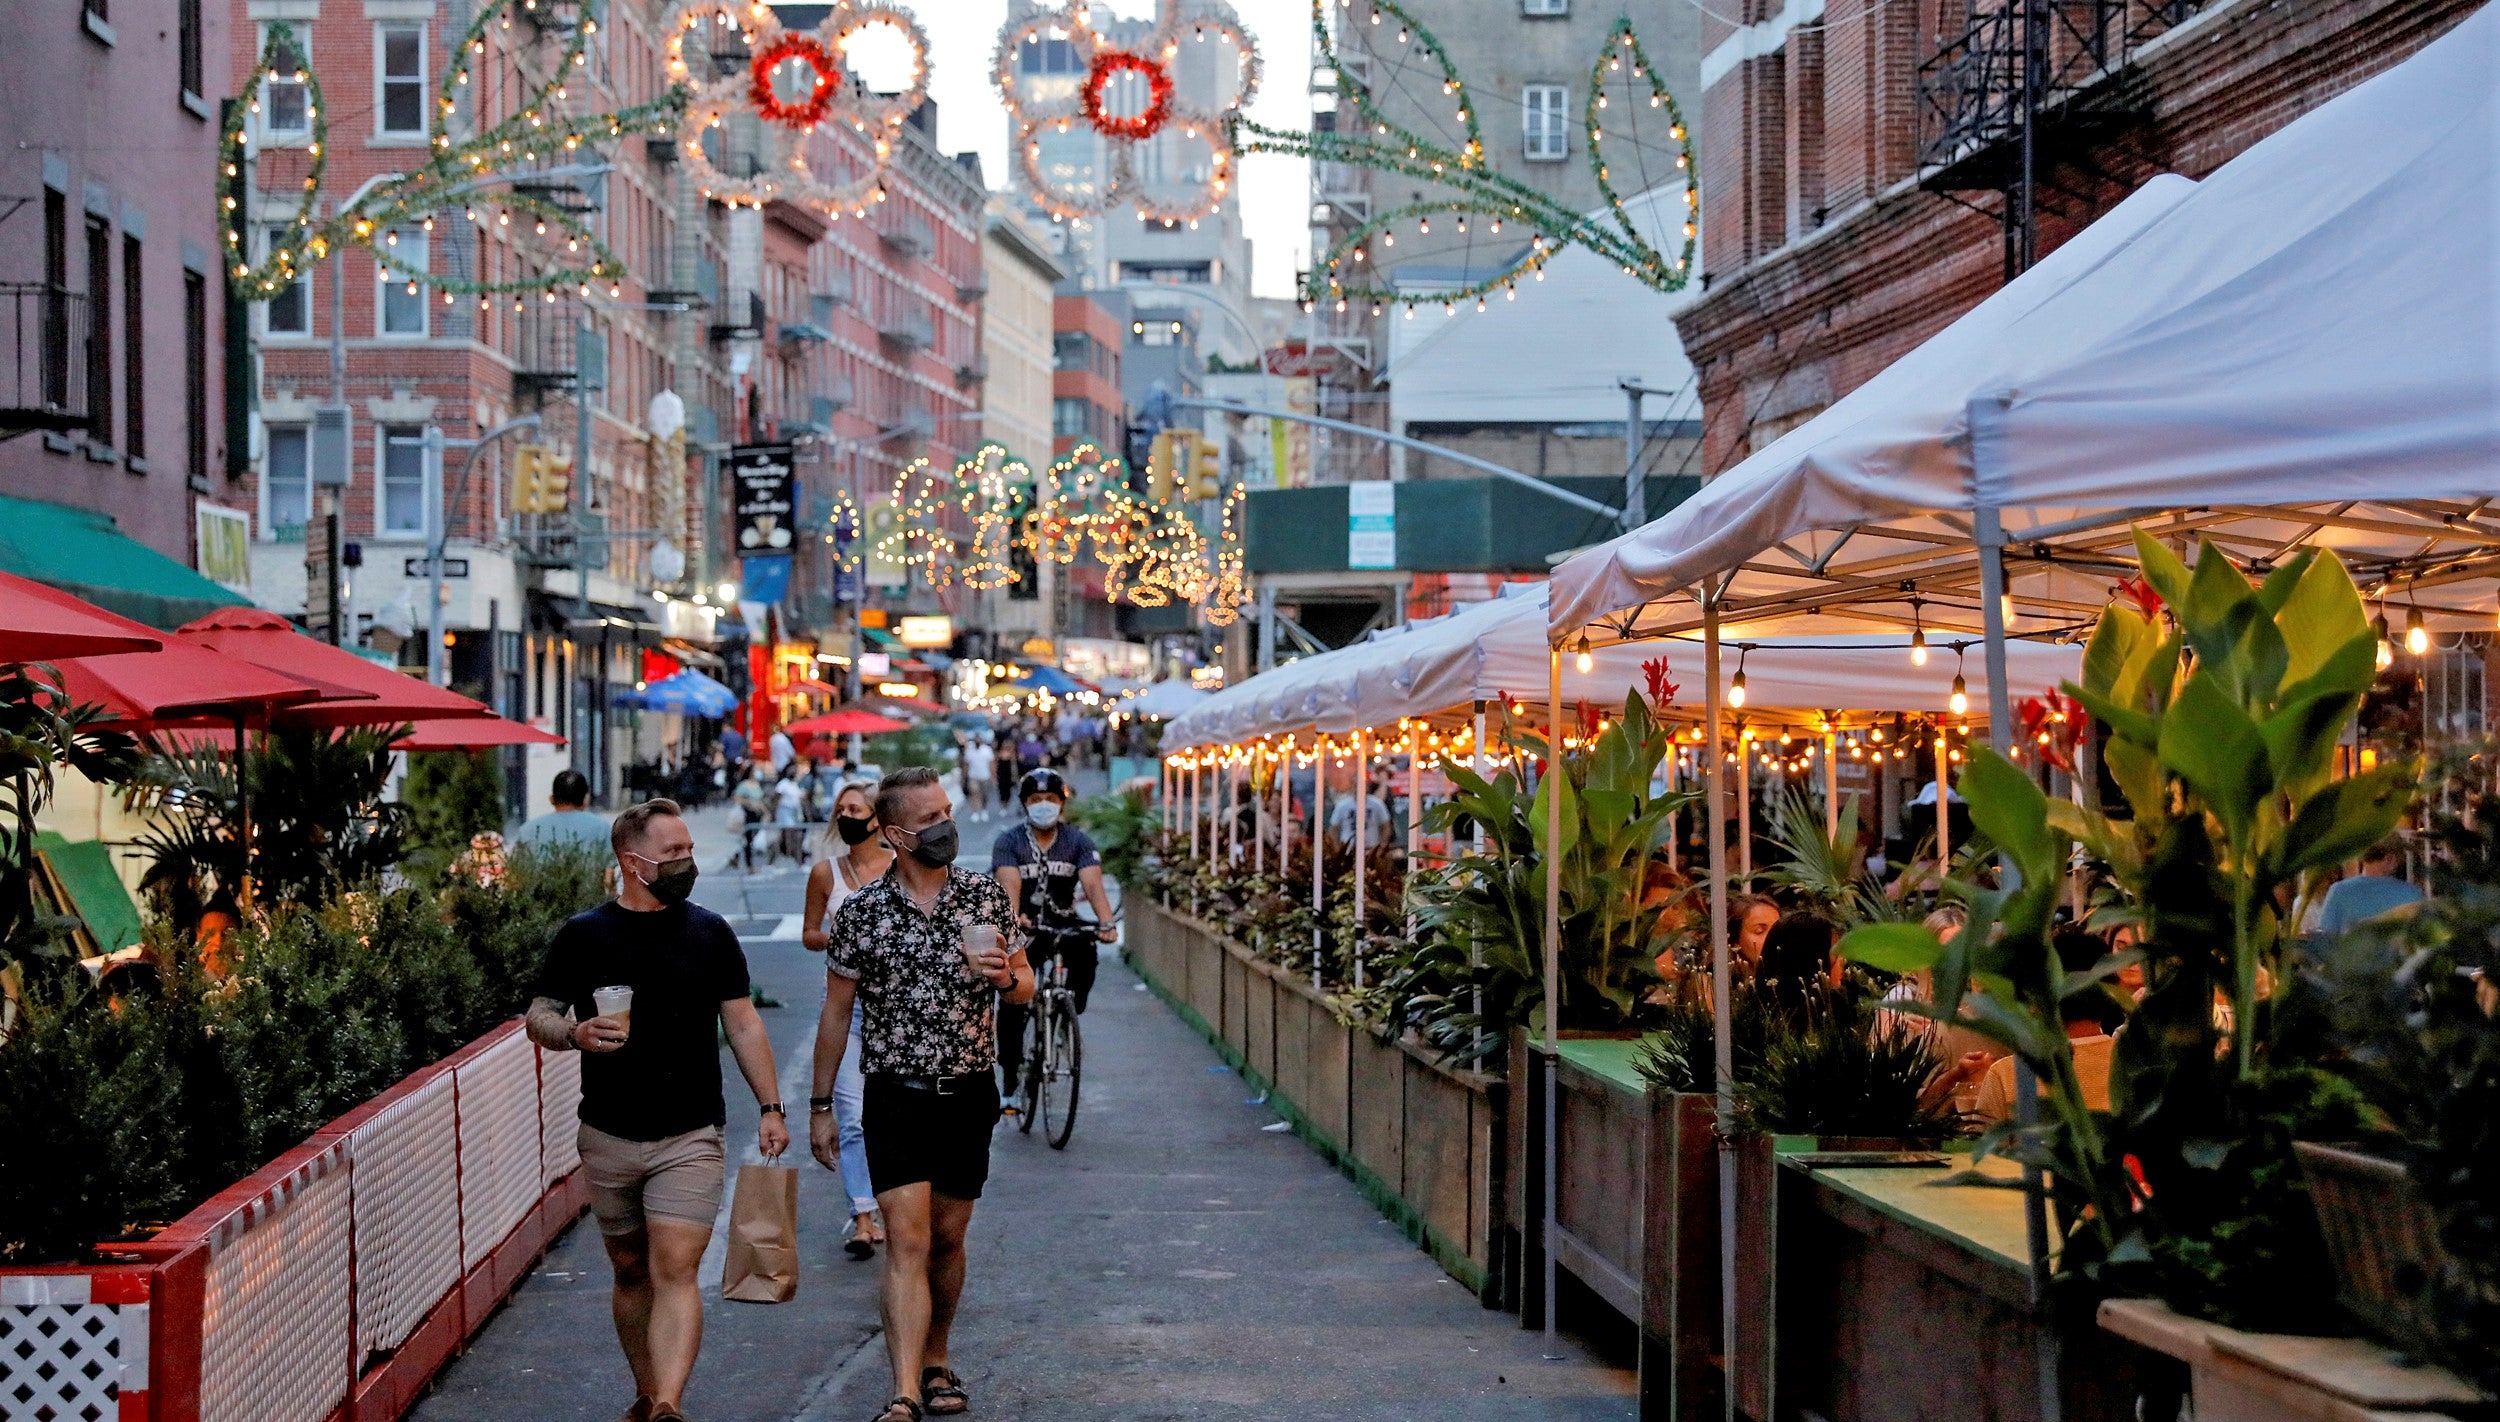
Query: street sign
(452, 567)
(767, 498)
(1371, 517)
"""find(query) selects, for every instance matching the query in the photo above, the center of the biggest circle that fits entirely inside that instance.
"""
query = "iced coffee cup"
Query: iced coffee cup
(978, 939)
(616, 1002)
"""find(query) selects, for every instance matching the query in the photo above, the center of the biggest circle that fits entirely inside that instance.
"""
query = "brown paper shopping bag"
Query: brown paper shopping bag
(763, 1261)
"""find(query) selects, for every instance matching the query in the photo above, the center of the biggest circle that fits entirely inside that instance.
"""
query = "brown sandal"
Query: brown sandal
(944, 1392)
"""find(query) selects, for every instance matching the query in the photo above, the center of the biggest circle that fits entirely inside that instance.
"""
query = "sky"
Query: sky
(1274, 190)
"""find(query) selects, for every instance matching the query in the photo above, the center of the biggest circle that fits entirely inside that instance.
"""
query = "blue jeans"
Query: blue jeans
(848, 1085)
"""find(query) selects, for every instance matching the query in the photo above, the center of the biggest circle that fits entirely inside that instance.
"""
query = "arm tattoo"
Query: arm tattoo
(550, 1024)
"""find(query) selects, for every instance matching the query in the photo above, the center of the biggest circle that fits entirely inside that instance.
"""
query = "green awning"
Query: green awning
(84, 553)
(883, 638)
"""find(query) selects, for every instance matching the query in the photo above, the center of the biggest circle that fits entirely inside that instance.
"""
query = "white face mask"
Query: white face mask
(1042, 814)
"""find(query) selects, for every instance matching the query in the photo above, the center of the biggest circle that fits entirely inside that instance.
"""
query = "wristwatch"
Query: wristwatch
(819, 1105)
(771, 1108)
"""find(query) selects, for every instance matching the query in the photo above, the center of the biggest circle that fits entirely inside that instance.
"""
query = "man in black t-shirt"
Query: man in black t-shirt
(651, 1112)
(1043, 864)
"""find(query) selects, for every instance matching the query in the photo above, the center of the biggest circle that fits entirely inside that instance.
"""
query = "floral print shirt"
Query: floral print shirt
(922, 1013)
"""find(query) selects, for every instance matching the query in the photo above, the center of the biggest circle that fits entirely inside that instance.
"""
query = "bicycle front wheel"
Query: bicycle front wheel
(1059, 1084)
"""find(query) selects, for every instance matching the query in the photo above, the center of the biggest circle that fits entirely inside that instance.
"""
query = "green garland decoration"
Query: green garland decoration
(1478, 191)
(456, 174)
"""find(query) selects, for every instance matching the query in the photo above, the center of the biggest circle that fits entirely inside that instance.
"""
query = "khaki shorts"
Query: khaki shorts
(676, 1179)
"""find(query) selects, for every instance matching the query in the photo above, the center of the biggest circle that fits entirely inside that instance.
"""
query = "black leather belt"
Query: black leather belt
(941, 1085)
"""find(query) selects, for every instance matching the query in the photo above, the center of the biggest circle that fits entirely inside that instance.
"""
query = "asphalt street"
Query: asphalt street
(1178, 1260)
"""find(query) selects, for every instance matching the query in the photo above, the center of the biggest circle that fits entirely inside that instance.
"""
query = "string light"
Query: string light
(1581, 656)
(1736, 687)
(1918, 636)
(2417, 637)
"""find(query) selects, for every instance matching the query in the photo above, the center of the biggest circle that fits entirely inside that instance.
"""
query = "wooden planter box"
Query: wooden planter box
(2260, 1377)
(1425, 1142)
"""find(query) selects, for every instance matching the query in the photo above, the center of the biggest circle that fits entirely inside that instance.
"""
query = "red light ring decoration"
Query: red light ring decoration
(768, 105)
(1109, 64)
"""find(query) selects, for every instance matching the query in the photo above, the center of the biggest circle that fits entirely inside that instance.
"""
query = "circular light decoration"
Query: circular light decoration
(1093, 98)
(919, 538)
(1170, 114)
(810, 111)
(838, 121)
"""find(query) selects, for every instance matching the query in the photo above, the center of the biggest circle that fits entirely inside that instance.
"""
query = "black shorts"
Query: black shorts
(915, 1135)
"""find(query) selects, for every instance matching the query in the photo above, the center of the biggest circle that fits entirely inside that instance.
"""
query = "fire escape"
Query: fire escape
(2027, 96)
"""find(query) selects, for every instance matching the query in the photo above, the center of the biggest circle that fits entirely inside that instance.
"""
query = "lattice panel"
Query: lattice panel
(407, 1184)
(61, 1362)
(559, 1113)
(274, 1339)
(499, 1130)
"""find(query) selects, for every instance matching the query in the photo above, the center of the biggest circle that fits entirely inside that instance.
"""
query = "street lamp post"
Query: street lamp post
(437, 665)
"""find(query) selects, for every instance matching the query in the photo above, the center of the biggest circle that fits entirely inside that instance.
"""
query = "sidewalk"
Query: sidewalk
(1179, 1260)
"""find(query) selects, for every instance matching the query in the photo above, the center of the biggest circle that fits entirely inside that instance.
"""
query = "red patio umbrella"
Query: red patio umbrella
(382, 697)
(473, 733)
(848, 721)
(810, 686)
(41, 624)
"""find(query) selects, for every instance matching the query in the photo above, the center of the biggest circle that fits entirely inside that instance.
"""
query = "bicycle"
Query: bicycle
(1054, 1055)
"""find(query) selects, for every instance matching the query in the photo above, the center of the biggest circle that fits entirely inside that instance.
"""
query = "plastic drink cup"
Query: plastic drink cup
(978, 939)
(616, 1002)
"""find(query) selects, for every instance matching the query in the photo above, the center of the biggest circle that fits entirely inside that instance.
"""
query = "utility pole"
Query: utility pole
(437, 522)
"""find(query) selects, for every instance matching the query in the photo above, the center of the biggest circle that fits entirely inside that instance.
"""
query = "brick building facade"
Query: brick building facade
(1846, 216)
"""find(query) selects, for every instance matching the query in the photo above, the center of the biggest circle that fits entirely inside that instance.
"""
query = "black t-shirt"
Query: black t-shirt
(682, 962)
(1050, 890)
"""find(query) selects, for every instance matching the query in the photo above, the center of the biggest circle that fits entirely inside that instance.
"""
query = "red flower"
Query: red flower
(1109, 64)
(2140, 592)
(768, 105)
(1588, 723)
(1661, 691)
(2055, 724)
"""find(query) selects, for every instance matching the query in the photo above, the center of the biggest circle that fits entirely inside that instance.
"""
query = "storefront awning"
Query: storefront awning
(87, 555)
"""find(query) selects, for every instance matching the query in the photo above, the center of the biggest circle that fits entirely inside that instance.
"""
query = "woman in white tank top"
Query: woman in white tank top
(850, 856)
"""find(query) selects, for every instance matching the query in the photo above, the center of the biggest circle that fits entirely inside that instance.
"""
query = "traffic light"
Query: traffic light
(1168, 467)
(1209, 469)
(540, 483)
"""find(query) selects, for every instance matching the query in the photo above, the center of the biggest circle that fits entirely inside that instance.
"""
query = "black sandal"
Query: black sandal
(941, 1386)
(911, 1410)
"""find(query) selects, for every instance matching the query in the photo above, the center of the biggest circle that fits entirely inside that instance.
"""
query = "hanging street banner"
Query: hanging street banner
(1371, 524)
(765, 581)
(767, 498)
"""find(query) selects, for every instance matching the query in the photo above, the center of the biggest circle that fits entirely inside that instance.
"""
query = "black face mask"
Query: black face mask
(853, 828)
(672, 880)
(936, 845)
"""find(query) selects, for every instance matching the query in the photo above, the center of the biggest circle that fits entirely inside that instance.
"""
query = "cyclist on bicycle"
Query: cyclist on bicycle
(1043, 864)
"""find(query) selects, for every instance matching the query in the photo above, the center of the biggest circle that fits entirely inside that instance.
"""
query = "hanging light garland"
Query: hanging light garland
(836, 99)
(455, 176)
(1112, 71)
(1366, 137)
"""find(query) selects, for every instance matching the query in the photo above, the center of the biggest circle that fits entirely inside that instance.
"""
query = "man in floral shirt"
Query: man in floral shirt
(927, 1047)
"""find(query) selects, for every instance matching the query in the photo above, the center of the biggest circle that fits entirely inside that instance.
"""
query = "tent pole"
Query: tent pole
(1414, 794)
(1944, 803)
(1319, 855)
(1362, 802)
(1560, 776)
(1831, 780)
(1475, 954)
(1258, 841)
(1988, 531)
(1284, 805)
(1722, 983)
(1744, 811)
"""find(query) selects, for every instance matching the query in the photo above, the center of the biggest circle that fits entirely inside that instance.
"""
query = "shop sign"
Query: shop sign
(927, 631)
(767, 497)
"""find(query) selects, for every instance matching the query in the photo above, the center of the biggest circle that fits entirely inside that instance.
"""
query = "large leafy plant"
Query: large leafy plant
(41, 734)
(2224, 700)
(318, 822)
(1480, 921)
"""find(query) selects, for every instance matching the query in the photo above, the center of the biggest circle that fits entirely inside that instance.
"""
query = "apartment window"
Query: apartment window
(56, 352)
(1048, 56)
(99, 330)
(1071, 350)
(399, 69)
(1071, 417)
(286, 104)
(1544, 7)
(187, 19)
(403, 300)
(195, 376)
(286, 482)
(134, 358)
(400, 505)
(289, 311)
(1542, 118)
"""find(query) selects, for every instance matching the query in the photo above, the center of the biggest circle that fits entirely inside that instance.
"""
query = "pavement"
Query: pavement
(1185, 1257)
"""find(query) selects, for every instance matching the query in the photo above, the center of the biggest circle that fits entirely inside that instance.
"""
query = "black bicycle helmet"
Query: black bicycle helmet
(1041, 780)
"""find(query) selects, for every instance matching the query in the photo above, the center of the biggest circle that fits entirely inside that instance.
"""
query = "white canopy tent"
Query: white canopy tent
(1162, 701)
(2302, 350)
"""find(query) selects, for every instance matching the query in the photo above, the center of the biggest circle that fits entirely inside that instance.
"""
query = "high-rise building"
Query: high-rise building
(112, 292)
(1016, 346)
(1208, 260)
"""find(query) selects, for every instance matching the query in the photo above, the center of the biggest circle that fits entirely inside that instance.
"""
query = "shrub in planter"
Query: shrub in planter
(1123, 825)
(1827, 1071)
